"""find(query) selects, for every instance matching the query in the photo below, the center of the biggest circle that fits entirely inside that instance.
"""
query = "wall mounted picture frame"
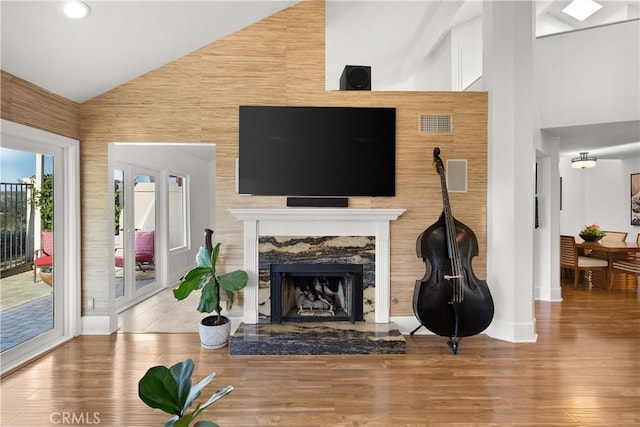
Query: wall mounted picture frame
(635, 199)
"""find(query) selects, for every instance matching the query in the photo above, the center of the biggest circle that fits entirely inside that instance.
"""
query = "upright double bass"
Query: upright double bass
(450, 300)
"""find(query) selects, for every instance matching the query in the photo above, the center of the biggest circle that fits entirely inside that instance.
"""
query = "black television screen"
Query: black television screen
(317, 151)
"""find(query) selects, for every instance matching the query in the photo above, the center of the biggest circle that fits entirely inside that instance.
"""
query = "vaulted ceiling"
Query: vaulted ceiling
(121, 40)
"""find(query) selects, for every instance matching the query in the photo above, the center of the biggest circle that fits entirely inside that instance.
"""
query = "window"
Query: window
(177, 212)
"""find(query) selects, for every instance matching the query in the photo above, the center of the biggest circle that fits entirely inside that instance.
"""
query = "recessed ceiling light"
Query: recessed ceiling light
(582, 9)
(76, 9)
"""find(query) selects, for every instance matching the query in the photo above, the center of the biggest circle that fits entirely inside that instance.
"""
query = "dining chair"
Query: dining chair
(629, 265)
(614, 236)
(570, 259)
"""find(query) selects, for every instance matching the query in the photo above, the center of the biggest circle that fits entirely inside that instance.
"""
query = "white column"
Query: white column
(383, 273)
(508, 77)
(251, 233)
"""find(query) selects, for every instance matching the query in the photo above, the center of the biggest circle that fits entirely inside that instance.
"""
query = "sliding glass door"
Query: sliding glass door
(27, 245)
(39, 242)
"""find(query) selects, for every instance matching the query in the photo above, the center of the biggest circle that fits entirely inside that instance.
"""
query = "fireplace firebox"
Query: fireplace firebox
(316, 292)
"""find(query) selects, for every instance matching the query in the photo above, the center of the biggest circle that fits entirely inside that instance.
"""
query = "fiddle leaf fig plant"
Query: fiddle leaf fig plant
(170, 390)
(205, 277)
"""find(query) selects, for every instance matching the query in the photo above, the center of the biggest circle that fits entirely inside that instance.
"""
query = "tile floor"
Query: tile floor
(25, 321)
(26, 309)
(162, 313)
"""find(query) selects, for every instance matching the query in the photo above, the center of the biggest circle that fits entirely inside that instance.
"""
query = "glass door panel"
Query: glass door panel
(135, 201)
(27, 200)
(144, 199)
(119, 231)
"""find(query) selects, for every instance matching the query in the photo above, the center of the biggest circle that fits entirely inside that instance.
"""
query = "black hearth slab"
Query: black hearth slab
(317, 338)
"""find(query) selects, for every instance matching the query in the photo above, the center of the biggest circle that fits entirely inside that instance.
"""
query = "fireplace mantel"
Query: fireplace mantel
(317, 222)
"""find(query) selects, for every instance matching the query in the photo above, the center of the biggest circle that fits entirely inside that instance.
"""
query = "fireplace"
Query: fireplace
(317, 222)
(304, 292)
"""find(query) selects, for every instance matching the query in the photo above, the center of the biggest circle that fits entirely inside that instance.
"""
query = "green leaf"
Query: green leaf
(164, 388)
(233, 281)
(197, 388)
(214, 256)
(197, 273)
(182, 374)
(209, 300)
(194, 280)
(217, 395)
(171, 422)
(158, 389)
(202, 258)
(184, 421)
(230, 297)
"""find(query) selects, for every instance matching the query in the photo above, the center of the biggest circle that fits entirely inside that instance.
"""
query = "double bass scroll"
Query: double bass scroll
(450, 300)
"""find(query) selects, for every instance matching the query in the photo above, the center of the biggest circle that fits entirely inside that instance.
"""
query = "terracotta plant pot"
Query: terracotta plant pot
(47, 277)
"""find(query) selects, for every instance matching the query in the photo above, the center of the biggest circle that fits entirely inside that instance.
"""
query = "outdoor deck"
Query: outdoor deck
(26, 309)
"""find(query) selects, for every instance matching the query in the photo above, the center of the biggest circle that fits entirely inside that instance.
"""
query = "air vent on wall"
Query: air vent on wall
(430, 123)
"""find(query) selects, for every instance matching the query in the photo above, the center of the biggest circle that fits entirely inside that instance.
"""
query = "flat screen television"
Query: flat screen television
(317, 151)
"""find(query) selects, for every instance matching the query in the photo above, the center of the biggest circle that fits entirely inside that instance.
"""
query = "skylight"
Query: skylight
(582, 9)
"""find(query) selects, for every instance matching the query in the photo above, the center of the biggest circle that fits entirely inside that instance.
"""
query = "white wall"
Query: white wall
(589, 76)
(453, 63)
(434, 72)
(466, 46)
(599, 195)
(200, 173)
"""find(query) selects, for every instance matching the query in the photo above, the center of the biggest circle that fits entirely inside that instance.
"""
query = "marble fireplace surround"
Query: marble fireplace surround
(317, 222)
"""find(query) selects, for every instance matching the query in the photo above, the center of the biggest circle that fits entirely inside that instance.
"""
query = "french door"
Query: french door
(136, 201)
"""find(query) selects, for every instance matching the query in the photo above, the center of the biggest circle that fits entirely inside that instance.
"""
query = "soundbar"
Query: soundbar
(318, 202)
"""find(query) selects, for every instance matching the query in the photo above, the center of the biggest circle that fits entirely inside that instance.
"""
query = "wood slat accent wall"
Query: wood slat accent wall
(278, 61)
(30, 105)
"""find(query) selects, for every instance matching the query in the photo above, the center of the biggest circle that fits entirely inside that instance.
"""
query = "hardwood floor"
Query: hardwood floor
(583, 371)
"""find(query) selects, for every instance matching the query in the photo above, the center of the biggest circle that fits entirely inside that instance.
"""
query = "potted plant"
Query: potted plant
(170, 390)
(214, 330)
(592, 233)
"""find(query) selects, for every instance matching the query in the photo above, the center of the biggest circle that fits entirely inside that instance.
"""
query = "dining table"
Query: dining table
(610, 251)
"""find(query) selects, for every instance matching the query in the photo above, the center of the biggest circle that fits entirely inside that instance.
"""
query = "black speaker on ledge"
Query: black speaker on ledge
(318, 202)
(356, 77)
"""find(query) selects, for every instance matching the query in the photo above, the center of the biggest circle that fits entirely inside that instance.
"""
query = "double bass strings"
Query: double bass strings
(457, 275)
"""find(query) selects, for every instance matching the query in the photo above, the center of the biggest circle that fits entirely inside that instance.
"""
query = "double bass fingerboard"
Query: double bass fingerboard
(457, 273)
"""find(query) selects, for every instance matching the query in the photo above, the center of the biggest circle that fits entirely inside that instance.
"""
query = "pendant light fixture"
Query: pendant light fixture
(583, 161)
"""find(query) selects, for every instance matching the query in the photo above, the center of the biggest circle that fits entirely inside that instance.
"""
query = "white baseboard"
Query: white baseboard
(406, 324)
(548, 294)
(512, 332)
(98, 325)
(501, 330)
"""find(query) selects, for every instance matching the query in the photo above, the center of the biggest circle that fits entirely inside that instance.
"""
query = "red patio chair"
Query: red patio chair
(43, 257)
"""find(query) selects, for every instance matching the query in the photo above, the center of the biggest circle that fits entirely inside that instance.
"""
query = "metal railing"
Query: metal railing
(16, 228)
